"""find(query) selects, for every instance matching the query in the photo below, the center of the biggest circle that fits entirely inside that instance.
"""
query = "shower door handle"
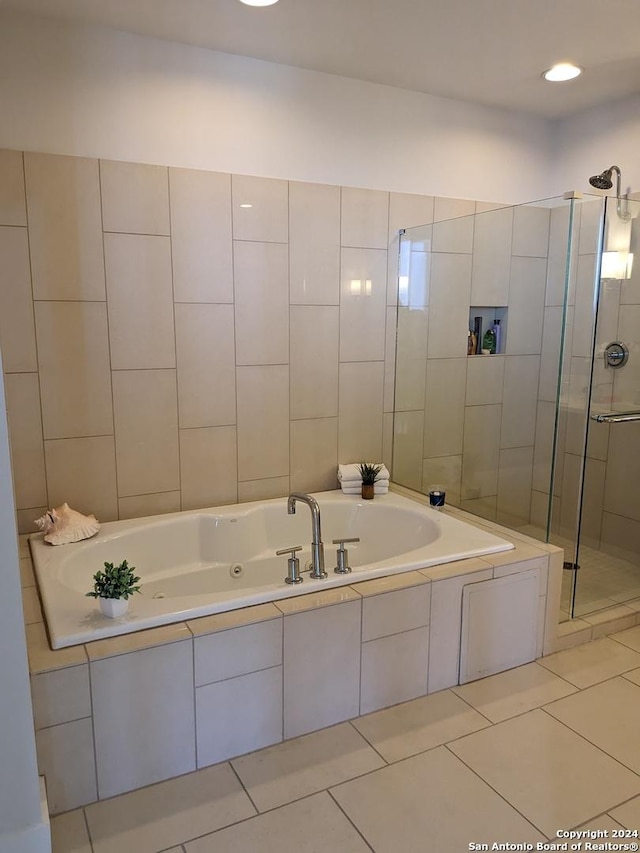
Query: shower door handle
(616, 417)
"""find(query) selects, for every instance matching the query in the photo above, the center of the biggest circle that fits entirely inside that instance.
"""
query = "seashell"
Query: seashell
(63, 525)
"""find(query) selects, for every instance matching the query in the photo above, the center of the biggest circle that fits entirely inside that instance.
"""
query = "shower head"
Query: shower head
(604, 180)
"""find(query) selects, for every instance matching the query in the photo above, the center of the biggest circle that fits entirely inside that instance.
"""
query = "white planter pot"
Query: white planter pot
(113, 607)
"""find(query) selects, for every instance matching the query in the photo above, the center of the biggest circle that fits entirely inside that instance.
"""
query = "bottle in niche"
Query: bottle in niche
(496, 331)
(471, 343)
(477, 332)
(489, 342)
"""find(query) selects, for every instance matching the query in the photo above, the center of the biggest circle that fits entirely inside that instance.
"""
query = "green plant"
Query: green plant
(369, 473)
(115, 582)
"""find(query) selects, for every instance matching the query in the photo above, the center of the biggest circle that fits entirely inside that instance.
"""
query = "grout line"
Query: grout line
(175, 342)
(350, 820)
(86, 824)
(244, 788)
(502, 796)
(371, 745)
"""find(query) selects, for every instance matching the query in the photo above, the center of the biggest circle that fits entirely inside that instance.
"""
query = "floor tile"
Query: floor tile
(421, 724)
(606, 715)
(628, 814)
(630, 638)
(592, 662)
(514, 692)
(633, 676)
(313, 825)
(548, 773)
(430, 803)
(288, 771)
(69, 833)
(604, 823)
(165, 814)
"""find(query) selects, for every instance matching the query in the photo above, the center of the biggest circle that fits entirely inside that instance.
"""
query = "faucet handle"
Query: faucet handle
(293, 564)
(292, 550)
(342, 555)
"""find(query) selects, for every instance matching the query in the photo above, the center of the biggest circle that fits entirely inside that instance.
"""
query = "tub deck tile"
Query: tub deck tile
(138, 640)
(314, 600)
(390, 583)
(42, 658)
(459, 567)
(233, 619)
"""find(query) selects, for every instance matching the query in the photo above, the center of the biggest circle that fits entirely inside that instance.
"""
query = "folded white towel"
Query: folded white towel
(355, 489)
(351, 473)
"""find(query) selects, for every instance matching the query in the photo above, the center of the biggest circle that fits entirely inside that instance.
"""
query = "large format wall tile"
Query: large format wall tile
(12, 202)
(314, 333)
(314, 244)
(444, 417)
(135, 198)
(260, 209)
(408, 435)
(365, 218)
(127, 734)
(410, 358)
(443, 471)
(65, 227)
(208, 466)
(138, 506)
(82, 472)
(363, 292)
(520, 402)
(239, 715)
(526, 305)
(263, 421)
(314, 454)
(146, 428)
(25, 430)
(261, 278)
(201, 236)
(394, 669)
(480, 451)
(205, 351)
(531, 231)
(140, 300)
(449, 305)
(73, 356)
(485, 380)
(69, 745)
(514, 485)
(492, 257)
(360, 411)
(327, 692)
(238, 651)
(17, 331)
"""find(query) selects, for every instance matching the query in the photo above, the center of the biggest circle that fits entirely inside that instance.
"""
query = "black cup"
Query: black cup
(436, 498)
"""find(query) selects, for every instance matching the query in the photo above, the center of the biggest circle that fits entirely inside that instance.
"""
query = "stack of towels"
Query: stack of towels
(351, 480)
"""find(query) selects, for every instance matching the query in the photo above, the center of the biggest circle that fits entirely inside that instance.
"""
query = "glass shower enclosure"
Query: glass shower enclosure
(532, 427)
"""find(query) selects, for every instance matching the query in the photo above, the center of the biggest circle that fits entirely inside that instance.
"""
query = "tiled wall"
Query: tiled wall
(175, 338)
(469, 423)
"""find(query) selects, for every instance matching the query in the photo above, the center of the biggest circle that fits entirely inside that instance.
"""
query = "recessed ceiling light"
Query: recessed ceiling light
(246, 205)
(562, 71)
(258, 2)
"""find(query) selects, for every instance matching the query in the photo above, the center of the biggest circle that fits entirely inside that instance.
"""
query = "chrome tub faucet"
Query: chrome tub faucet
(317, 548)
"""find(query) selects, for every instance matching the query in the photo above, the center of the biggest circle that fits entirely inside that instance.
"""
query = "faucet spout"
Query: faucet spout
(317, 547)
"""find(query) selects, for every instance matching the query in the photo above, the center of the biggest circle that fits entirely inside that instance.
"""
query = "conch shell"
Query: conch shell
(63, 525)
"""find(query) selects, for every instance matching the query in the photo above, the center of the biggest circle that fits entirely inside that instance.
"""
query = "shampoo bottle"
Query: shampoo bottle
(496, 332)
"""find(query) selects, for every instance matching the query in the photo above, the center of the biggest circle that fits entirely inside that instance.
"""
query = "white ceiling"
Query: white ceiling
(485, 51)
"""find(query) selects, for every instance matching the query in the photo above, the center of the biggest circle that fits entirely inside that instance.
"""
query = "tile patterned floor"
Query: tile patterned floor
(553, 745)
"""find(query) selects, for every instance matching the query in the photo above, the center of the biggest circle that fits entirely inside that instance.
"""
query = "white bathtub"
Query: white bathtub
(185, 559)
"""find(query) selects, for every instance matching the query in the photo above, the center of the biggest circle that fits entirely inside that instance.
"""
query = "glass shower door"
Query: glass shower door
(609, 517)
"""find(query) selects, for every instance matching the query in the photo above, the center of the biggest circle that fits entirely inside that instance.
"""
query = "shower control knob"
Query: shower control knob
(616, 354)
(342, 555)
(293, 564)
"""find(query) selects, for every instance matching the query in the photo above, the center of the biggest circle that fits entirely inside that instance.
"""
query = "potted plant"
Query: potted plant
(112, 588)
(369, 474)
